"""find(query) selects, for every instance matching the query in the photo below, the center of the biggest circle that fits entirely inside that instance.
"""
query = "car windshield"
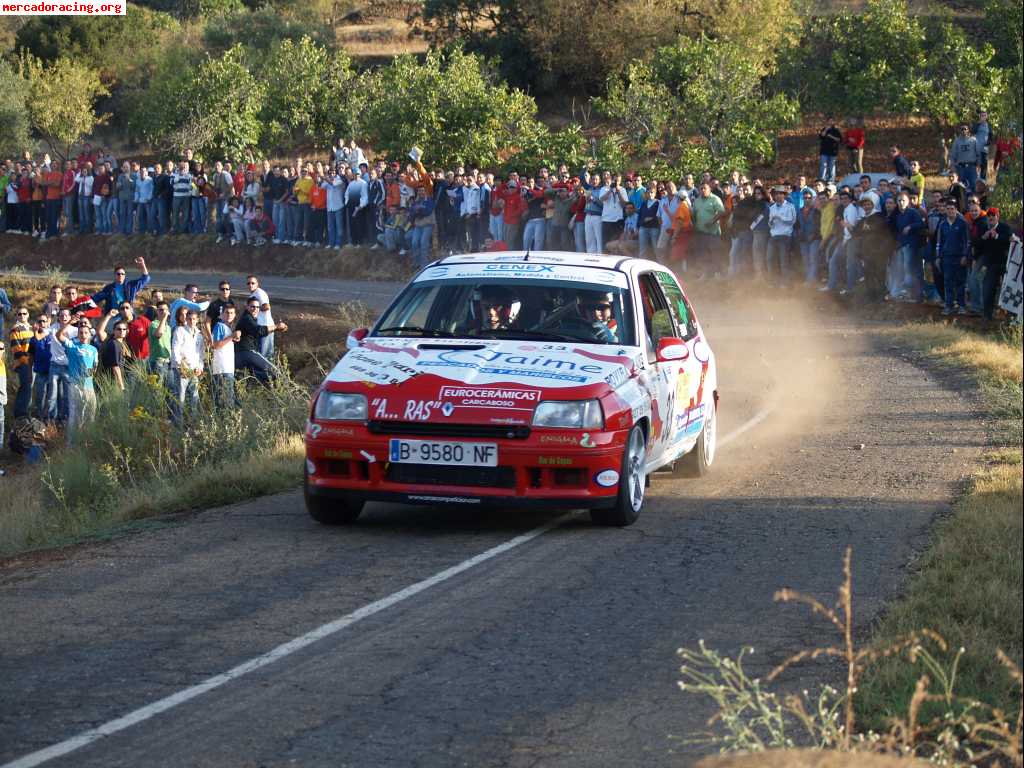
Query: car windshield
(524, 309)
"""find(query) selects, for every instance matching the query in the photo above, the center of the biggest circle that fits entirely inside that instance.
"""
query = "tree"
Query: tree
(61, 101)
(212, 106)
(705, 88)
(956, 79)
(14, 123)
(449, 105)
(310, 94)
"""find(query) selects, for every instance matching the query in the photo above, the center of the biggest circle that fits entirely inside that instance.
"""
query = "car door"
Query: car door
(659, 379)
(692, 383)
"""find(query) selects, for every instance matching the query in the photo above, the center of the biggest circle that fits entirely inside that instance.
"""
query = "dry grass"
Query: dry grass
(997, 357)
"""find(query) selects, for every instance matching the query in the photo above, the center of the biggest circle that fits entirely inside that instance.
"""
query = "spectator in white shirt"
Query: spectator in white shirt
(187, 348)
(265, 316)
(781, 218)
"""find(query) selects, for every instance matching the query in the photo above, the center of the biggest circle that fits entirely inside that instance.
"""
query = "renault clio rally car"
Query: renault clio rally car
(533, 379)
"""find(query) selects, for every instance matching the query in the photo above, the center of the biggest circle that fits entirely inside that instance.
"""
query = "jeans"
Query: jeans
(809, 254)
(913, 270)
(968, 173)
(844, 255)
(975, 281)
(953, 280)
(69, 204)
(107, 213)
(334, 228)
(85, 210)
(23, 399)
(393, 239)
(255, 363)
(280, 225)
(983, 162)
(40, 399)
(778, 253)
(292, 223)
(53, 217)
(145, 220)
(827, 167)
(496, 226)
(579, 236)
(57, 392)
(738, 249)
(186, 395)
(512, 234)
(533, 235)
(161, 368)
(125, 216)
(180, 206)
(267, 346)
(594, 240)
(199, 213)
(163, 220)
(304, 228)
(422, 238)
(647, 240)
(81, 408)
(759, 250)
(223, 385)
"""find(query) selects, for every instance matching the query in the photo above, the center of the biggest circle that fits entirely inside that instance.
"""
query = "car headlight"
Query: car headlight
(340, 406)
(574, 414)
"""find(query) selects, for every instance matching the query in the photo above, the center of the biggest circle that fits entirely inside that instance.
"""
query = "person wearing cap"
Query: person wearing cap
(991, 250)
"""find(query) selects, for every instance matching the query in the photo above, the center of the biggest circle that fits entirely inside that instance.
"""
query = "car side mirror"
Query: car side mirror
(671, 348)
(355, 337)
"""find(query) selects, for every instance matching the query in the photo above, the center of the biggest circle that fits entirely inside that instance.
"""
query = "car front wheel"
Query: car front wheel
(331, 511)
(632, 484)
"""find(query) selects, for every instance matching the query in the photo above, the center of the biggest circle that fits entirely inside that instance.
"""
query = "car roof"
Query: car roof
(626, 264)
(853, 179)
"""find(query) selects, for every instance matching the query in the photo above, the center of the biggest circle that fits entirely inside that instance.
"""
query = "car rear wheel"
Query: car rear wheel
(697, 462)
(331, 511)
(632, 484)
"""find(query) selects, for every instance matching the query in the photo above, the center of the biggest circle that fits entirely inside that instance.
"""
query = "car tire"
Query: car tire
(697, 462)
(331, 511)
(632, 484)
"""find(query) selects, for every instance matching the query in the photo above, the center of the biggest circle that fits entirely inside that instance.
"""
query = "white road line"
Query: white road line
(162, 705)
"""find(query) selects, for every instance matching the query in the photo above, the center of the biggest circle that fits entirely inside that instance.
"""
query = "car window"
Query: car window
(682, 313)
(658, 320)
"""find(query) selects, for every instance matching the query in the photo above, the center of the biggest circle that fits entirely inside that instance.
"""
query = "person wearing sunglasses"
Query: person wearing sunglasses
(20, 341)
(114, 294)
(114, 352)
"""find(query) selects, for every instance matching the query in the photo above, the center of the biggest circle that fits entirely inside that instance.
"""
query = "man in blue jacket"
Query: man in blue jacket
(909, 226)
(952, 242)
(114, 294)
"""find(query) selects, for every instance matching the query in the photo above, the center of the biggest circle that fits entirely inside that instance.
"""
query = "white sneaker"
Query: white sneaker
(219, 238)
(824, 289)
(275, 241)
(337, 247)
(402, 252)
(374, 247)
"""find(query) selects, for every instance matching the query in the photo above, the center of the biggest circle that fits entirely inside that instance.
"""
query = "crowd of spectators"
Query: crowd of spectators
(880, 234)
(124, 331)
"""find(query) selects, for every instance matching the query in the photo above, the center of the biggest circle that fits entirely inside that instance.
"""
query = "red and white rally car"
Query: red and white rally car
(554, 379)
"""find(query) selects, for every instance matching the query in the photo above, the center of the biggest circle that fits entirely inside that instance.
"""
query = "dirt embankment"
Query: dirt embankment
(202, 252)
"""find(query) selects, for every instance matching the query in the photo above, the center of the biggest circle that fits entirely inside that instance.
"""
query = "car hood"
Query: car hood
(475, 381)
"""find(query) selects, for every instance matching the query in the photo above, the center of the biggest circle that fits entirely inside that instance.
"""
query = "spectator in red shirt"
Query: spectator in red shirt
(1006, 147)
(853, 140)
(138, 331)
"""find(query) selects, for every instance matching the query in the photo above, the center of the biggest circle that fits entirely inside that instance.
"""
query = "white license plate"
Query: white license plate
(443, 452)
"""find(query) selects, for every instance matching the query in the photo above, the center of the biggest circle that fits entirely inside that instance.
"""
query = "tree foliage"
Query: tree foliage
(309, 94)
(112, 45)
(14, 124)
(449, 105)
(886, 59)
(213, 107)
(61, 101)
(705, 88)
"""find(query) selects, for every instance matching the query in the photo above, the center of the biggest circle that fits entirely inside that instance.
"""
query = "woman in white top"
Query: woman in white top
(187, 352)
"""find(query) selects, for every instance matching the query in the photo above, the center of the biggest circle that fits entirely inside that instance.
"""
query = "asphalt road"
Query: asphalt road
(559, 651)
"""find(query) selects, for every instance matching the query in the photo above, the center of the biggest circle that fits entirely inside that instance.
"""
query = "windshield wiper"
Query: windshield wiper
(417, 329)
